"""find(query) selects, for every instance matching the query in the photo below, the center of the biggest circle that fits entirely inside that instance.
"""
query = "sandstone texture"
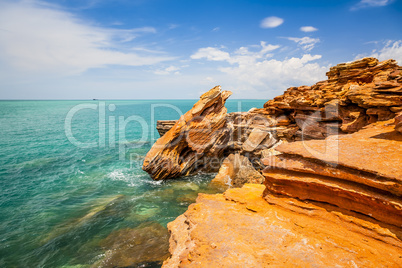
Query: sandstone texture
(330, 155)
(358, 172)
(355, 95)
(198, 136)
(164, 126)
(241, 228)
(235, 171)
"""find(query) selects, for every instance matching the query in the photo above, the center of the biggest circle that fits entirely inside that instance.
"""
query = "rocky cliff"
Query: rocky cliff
(330, 158)
(354, 95)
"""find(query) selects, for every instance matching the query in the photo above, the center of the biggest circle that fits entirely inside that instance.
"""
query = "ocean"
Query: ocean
(71, 179)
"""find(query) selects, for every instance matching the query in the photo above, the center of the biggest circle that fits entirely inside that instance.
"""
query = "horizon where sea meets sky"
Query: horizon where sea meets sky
(154, 49)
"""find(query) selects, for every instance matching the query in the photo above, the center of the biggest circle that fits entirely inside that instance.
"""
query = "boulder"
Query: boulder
(197, 139)
(235, 171)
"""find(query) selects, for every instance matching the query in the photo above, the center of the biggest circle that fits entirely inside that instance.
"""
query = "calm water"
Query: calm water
(70, 175)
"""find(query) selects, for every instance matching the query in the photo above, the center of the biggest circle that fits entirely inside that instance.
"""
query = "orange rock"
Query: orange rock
(235, 171)
(357, 86)
(241, 229)
(398, 122)
(377, 149)
(199, 135)
(358, 172)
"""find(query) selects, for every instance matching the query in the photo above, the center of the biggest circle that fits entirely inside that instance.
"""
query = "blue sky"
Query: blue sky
(177, 49)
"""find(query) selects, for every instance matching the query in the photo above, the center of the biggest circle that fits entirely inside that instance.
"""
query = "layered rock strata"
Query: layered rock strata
(359, 172)
(196, 139)
(241, 228)
(355, 95)
(332, 195)
(164, 126)
(235, 171)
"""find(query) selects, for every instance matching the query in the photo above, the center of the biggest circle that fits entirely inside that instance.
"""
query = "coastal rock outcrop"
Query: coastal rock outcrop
(164, 126)
(139, 247)
(358, 172)
(241, 228)
(236, 170)
(197, 137)
(332, 195)
(355, 95)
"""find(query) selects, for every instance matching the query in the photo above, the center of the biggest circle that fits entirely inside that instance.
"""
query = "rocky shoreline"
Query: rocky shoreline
(328, 156)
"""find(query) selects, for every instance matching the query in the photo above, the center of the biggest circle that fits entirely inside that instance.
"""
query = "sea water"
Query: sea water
(70, 175)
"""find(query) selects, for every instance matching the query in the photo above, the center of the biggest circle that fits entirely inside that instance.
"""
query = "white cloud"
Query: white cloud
(216, 29)
(371, 3)
(391, 50)
(168, 70)
(306, 43)
(308, 29)
(256, 71)
(39, 38)
(271, 22)
(211, 53)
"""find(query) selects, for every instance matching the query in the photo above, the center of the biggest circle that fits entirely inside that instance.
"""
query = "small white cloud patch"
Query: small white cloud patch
(306, 43)
(308, 29)
(371, 3)
(271, 22)
(211, 53)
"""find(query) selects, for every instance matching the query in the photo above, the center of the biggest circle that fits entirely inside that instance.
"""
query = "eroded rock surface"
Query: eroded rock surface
(355, 95)
(332, 195)
(198, 136)
(358, 172)
(235, 171)
(240, 228)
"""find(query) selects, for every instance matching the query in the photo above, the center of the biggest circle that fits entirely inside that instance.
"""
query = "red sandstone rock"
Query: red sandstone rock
(235, 171)
(241, 229)
(398, 122)
(363, 90)
(199, 135)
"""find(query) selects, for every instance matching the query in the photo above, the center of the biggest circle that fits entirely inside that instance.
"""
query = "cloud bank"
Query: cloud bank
(253, 69)
(37, 38)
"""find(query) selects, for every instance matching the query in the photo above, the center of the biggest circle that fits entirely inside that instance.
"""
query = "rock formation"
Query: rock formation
(139, 247)
(198, 137)
(241, 229)
(236, 170)
(332, 195)
(355, 95)
(164, 126)
(363, 176)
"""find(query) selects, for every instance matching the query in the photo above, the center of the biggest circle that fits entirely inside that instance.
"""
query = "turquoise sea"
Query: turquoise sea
(70, 177)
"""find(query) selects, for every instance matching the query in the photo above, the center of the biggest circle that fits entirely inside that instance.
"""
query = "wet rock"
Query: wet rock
(147, 243)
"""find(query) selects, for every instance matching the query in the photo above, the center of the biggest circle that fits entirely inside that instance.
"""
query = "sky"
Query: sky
(178, 49)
